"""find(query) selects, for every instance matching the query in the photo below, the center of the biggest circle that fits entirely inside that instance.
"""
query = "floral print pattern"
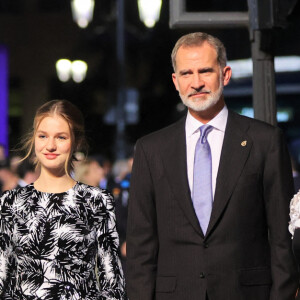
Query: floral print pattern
(53, 244)
(294, 213)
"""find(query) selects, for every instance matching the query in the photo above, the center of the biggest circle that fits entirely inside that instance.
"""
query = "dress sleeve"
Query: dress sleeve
(110, 273)
(294, 213)
(6, 248)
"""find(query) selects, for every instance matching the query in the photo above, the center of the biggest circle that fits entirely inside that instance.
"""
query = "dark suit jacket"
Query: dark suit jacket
(246, 252)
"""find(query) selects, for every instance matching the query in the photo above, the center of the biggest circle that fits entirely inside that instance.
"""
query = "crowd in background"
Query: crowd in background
(95, 170)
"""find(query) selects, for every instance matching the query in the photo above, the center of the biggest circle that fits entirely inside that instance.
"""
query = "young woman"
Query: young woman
(58, 237)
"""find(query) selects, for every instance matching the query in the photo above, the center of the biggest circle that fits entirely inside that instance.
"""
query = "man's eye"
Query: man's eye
(206, 71)
(186, 74)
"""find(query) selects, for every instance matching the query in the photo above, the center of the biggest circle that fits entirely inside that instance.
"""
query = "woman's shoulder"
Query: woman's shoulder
(10, 195)
(91, 189)
(17, 190)
(95, 194)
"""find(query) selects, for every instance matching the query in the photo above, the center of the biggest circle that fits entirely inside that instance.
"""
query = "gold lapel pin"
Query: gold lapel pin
(244, 143)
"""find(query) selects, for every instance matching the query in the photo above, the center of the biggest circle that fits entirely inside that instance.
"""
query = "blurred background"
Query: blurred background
(35, 34)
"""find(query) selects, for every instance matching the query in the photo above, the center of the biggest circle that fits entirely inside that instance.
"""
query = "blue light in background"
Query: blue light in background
(283, 114)
(4, 97)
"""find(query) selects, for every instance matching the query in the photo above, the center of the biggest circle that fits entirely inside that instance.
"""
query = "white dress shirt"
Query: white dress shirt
(215, 138)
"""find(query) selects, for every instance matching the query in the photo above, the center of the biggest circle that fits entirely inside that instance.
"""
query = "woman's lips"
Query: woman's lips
(51, 155)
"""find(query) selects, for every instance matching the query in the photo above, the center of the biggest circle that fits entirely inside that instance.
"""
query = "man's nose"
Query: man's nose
(197, 81)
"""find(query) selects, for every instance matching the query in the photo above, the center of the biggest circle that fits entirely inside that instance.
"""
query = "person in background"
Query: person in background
(107, 181)
(14, 161)
(3, 157)
(3, 163)
(120, 168)
(26, 172)
(56, 233)
(9, 180)
(209, 195)
(121, 195)
(89, 172)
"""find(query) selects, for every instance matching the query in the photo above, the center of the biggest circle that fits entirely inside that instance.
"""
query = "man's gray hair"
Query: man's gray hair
(197, 39)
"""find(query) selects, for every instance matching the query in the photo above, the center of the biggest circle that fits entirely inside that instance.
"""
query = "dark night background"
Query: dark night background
(37, 33)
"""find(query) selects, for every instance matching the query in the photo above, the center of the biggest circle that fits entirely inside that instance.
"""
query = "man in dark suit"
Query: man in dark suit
(227, 239)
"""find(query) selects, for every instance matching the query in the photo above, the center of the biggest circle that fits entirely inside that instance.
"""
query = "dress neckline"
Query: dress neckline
(52, 193)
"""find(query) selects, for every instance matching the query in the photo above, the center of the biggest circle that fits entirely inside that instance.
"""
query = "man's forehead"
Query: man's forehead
(203, 53)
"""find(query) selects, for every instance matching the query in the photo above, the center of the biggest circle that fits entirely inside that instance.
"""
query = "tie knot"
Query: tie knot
(204, 130)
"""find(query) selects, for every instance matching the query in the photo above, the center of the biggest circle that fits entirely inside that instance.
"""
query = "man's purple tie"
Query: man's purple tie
(202, 187)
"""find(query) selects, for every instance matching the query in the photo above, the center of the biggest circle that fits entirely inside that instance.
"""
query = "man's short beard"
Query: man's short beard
(198, 104)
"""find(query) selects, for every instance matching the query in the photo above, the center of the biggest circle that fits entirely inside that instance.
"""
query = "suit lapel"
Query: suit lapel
(235, 151)
(175, 164)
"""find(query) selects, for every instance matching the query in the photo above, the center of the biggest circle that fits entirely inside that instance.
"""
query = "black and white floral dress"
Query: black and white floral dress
(53, 244)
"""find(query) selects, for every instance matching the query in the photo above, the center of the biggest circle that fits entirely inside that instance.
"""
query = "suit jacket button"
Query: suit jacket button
(205, 245)
(202, 275)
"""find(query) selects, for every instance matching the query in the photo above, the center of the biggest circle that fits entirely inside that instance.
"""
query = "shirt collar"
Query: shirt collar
(218, 122)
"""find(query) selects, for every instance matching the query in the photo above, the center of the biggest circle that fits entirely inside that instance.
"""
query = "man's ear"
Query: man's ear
(227, 72)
